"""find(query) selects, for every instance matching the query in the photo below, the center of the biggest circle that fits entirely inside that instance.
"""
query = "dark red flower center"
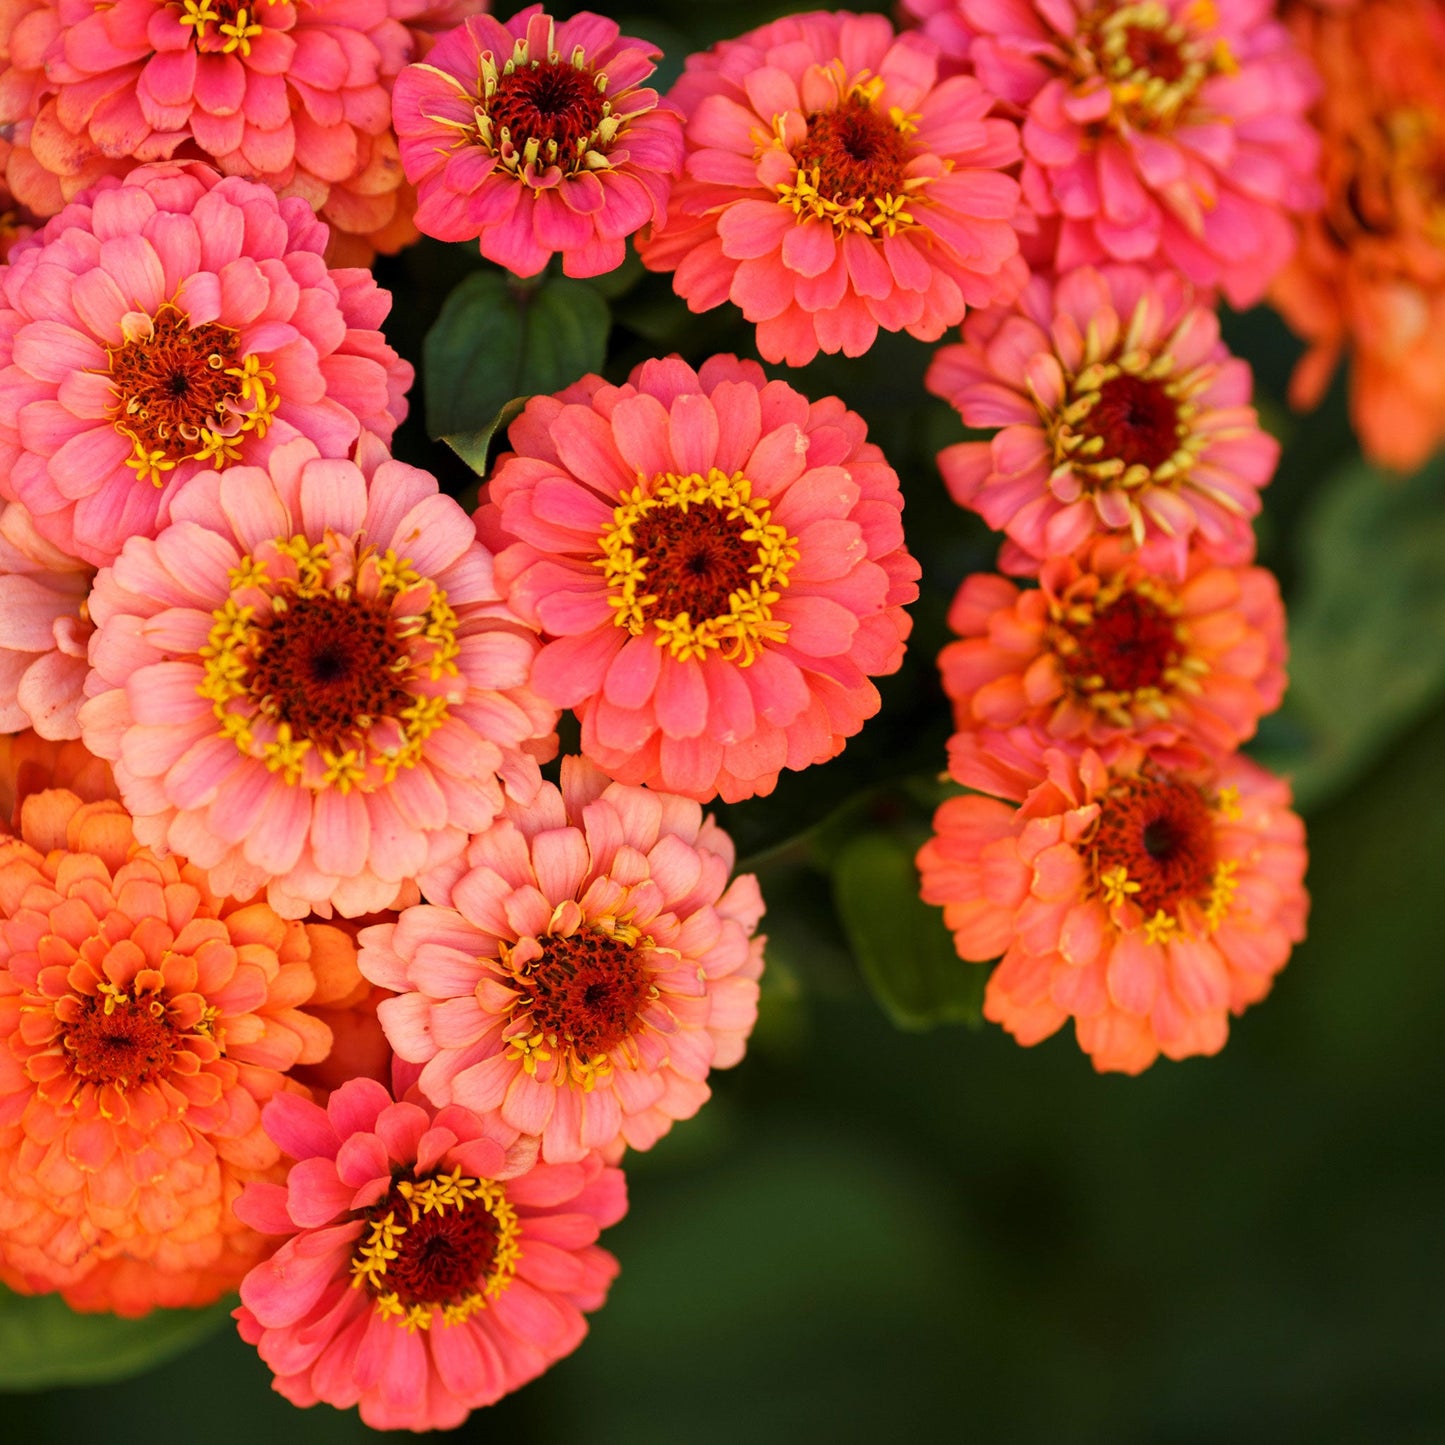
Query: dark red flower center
(1152, 51)
(128, 1044)
(1161, 831)
(696, 559)
(1137, 419)
(547, 101)
(857, 152)
(444, 1255)
(1127, 645)
(587, 988)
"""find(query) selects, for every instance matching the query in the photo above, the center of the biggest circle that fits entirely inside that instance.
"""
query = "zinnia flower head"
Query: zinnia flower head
(431, 1265)
(836, 186)
(581, 970)
(170, 325)
(537, 137)
(1121, 413)
(143, 1021)
(1106, 655)
(1172, 133)
(717, 567)
(1369, 276)
(306, 682)
(1146, 904)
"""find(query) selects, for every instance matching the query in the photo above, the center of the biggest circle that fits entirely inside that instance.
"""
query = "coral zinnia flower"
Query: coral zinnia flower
(173, 324)
(1167, 132)
(719, 566)
(537, 138)
(1146, 904)
(835, 186)
(1370, 273)
(432, 1265)
(1104, 654)
(583, 969)
(143, 1020)
(1121, 412)
(306, 682)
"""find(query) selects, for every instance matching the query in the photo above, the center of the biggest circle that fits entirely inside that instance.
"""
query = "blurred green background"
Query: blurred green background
(877, 1233)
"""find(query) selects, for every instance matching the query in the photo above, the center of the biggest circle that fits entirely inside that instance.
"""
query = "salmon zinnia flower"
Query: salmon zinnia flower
(1121, 412)
(432, 1265)
(835, 187)
(306, 682)
(143, 1021)
(581, 971)
(1148, 905)
(717, 566)
(1369, 277)
(538, 138)
(173, 324)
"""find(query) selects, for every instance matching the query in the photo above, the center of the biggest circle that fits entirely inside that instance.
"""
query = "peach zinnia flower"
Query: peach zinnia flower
(1106, 655)
(1147, 905)
(143, 1021)
(835, 186)
(1121, 412)
(1166, 132)
(537, 138)
(1369, 277)
(306, 682)
(581, 971)
(173, 324)
(431, 1265)
(718, 567)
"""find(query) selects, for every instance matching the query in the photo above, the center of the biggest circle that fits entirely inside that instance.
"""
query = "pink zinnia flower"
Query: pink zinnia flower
(296, 96)
(1168, 132)
(1121, 412)
(1106, 655)
(835, 186)
(306, 681)
(538, 138)
(1147, 905)
(431, 1265)
(717, 566)
(44, 630)
(170, 325)
(581, 970)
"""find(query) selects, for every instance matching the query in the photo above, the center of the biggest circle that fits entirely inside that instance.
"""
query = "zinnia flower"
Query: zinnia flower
(835, 186)
(1106, 655)
(537, 138)
(30, 764)
(1148, 905)
(306, 682)
(143, 1021)
(1167, 132)
(581, 970)
(170, 325)
(431, 1265)
(1369, 277)
(718, 567)
(1121, 412)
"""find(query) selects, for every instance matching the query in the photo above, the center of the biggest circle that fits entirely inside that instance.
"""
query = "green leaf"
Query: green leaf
(43, 1342)
(900, 942)
(498, 341)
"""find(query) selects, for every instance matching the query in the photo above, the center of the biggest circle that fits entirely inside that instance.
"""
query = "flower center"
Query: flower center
(446, 1243)
(186, 393)
(117, 1039)
(1137, 420)
(331, 663)
(586, 991)
(697, 560)
(548, 102)
(221, 27)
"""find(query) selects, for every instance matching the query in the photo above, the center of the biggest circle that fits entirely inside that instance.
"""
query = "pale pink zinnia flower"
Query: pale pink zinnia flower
(1121, 412)
(431, 1265)
(836, 186)
(1107, 655)
(538, 138)
(307, 684)
(1172, 133)
(1148, 905)
(717, 567)
(169, 325)
(581, 970)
